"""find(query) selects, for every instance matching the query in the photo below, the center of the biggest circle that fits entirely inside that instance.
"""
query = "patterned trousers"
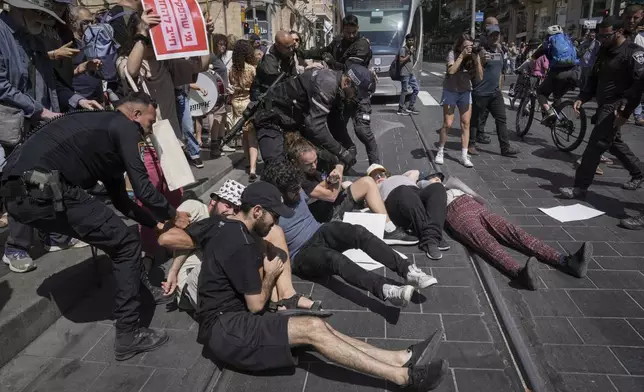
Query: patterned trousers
(482, 230)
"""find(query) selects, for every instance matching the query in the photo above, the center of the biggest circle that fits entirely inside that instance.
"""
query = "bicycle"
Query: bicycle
(562, 128)
(519, 89)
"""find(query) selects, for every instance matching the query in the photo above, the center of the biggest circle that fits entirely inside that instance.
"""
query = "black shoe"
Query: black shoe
(483, 139)
(633, 183)
(433, 252)
(577, 263)
(144, 340)
(215, 149)
(402, 112)
(157, 292)
(412, 110)
(633, 223)
(197, 162)
(443, 245)
(252, 177)
(423, 352)
(472, 150)
(399, 237)
(428, 377)
(509, 151)
(573, 193)
(528, 275)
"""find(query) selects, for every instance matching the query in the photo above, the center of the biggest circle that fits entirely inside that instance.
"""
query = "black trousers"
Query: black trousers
(605, 137)
(360, 112)
(322, 257)
(90, 220)
(421, 210)
(270, 141)
(493, 104)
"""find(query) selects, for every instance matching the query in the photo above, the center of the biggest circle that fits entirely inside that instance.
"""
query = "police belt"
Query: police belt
(35, 185)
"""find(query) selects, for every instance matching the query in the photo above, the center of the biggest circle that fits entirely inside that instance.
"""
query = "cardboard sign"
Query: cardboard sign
(182, 31)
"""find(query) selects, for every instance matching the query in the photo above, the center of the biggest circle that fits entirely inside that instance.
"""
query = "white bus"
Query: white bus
(385, 23)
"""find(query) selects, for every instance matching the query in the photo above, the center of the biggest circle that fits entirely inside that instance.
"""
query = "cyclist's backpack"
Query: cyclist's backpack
(99, 43)
(562, 51)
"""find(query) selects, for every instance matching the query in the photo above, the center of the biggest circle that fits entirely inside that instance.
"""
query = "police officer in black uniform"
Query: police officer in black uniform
(351, 48)
(277, 60)
(312, 104)
(617, 82)
(43, 186)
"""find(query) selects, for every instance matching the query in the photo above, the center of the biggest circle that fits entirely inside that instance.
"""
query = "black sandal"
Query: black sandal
(292, 310)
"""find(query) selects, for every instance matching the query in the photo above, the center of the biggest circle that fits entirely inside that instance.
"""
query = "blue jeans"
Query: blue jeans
(413, 82)
(187, 126)
(638, 111)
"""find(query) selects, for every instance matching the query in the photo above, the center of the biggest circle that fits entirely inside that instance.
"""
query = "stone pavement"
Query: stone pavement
(581, 335)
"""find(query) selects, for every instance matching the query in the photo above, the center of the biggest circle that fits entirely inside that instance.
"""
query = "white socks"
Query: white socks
(464, 152)
(389, 227)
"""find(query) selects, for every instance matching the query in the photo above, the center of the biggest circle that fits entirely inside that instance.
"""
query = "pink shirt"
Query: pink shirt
(540, 66)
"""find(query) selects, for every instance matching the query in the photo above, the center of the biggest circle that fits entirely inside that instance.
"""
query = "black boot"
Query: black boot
(528, 275)
(139, 341)
(157, 292)
(215, 148)
(577, 263)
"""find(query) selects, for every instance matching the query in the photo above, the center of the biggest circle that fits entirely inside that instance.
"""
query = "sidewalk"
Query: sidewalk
(581, 335)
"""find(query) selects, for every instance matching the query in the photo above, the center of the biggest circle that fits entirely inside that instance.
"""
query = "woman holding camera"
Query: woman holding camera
(462, 66)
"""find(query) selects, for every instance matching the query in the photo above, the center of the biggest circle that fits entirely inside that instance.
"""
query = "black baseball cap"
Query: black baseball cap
(362, 79)
(267, 196)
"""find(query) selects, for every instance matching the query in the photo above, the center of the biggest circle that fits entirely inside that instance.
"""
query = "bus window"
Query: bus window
(382, 22)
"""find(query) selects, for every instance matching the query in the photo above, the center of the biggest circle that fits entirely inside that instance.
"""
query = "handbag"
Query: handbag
(12, 123)
(174, 164)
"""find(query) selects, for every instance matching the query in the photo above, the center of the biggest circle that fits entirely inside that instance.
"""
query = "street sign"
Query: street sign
(479, 16)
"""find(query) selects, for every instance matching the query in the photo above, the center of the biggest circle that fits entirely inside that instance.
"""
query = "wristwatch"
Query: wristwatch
(145, 39)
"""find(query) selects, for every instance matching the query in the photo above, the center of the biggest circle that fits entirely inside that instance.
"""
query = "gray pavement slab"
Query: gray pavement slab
(582, 334)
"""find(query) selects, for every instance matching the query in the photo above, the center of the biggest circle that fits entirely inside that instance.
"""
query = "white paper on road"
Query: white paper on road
(375, 223)
(571, 213)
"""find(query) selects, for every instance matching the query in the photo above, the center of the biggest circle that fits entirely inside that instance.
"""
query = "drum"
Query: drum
(201, 104)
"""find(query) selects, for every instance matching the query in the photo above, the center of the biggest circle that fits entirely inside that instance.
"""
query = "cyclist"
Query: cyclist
(536, 69)
(563, 74)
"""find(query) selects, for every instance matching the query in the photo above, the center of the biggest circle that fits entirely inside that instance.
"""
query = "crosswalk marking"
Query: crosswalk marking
(439, 74)
(423, 73)
(427, 99)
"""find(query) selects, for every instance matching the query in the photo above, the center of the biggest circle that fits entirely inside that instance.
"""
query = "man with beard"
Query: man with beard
(236, 283)
(312, 103)
(277, 60)
(351, 48)
(43, 186)
(616, 82)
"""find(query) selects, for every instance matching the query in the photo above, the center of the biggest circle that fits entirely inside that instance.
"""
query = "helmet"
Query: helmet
(556, 29)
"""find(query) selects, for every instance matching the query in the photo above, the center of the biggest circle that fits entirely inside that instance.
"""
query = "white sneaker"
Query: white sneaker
(465, 160)
(398, 295)
(417, 278)
(227, 148)
(439, 158)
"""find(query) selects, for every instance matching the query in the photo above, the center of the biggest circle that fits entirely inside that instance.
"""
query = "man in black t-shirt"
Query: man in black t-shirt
(330, 198)
(235, 285)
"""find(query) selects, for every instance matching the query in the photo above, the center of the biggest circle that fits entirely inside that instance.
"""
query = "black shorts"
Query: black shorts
(324, 211)
(252, 342)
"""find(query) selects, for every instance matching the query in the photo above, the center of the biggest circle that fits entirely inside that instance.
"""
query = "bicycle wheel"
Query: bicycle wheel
(525, 115)
(569, 130)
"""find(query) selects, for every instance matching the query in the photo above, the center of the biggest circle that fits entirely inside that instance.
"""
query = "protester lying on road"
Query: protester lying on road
(316, 250)
(183, 275)
(482, 230)
(236, 283)
(328, 201)
(421, 211)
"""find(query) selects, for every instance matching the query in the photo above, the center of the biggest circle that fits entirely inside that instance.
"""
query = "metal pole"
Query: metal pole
(473, 24)
(612, 6)
(590, 12)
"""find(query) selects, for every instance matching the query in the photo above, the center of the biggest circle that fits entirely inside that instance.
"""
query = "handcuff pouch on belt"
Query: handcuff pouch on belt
(45, 185)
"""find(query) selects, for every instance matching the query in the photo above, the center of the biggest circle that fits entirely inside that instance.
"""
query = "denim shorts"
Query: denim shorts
(452, 98)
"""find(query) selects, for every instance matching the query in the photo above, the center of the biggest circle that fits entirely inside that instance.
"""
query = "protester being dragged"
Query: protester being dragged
(183, 275)
(422, 211)
(139, 69)
(316, 250)
(236, 284)
(462, 67)
(328, 199)
(240, 79)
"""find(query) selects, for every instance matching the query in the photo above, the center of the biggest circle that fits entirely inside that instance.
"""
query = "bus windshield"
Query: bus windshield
(382, 22)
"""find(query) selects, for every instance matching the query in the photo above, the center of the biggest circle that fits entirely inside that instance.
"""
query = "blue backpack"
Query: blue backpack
(562, 51)
(99, 43)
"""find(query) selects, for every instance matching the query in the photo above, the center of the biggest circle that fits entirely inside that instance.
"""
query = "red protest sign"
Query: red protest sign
(182, 31)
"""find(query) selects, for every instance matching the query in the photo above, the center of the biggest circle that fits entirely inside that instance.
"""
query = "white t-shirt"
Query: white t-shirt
(452, 194)
(392, 183)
